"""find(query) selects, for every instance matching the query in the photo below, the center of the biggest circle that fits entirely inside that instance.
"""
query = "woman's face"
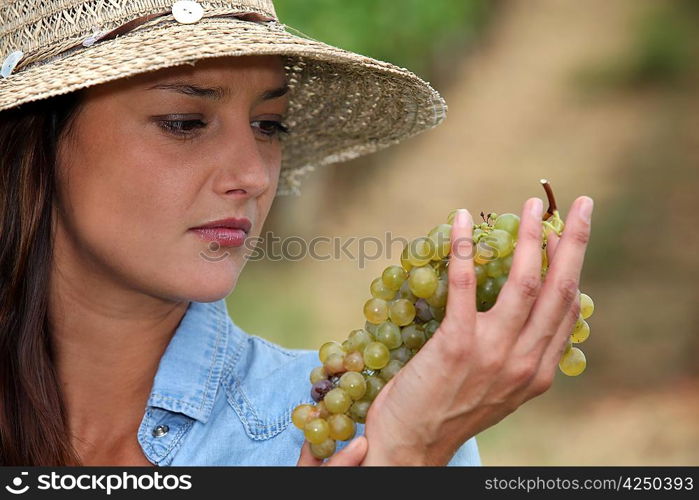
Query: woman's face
(148, 160)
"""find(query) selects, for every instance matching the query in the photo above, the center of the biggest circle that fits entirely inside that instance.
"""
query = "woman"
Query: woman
(116, 347)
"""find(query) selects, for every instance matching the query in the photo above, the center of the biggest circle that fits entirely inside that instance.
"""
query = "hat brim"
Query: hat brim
(342, 105)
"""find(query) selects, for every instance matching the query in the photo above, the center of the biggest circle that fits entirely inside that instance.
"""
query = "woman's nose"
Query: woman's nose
(247, 164)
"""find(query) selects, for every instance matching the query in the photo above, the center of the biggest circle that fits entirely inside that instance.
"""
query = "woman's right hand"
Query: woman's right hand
(351, 455)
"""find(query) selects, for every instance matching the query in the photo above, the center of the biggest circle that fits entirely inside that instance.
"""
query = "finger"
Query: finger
(461, 296)
(552, 355)
(560, 288)
(306, 459)
(351, 455)
(551, 245)
(523, 284)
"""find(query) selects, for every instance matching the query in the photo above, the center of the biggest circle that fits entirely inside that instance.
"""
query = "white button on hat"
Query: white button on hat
(96, 35)
(187, 11)
(10, 62)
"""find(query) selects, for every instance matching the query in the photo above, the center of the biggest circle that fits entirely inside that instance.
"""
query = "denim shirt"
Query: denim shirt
(224, 397)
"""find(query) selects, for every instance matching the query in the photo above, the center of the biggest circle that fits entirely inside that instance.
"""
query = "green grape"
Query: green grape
(587, 307)
(388, 333)
(317, 374)
(301, 415)
(438, 313)
(394, 276)
(373, 386)
(390, 370)
(487, 293)
(322, 410)
(413, 336)
(329, 348)
(402, 353)
(509, 223)
(573, 362)
(334, 364)
(423, 281)
(581, 334)
(439, 297)
(441, 237)
(323, 450)
(370, 327)
(376, 310)
(430, 327)
(405, 293)
(354, 362)
(494, 268)
(404, 262)
(420, 251)
(401, 312)
(316, 430)
(337, 400)
(481, 273)
(376, 356)
(379, 290)
(357, 340)
(422, 310)
(484, 251)
(507, 263)
(358, 411)
(342, 427)
(501, 241)
(499, 283)
(353, 384)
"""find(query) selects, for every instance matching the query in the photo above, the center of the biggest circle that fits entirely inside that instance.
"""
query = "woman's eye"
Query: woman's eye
(186, 128)
(270, 128)
(182, 127)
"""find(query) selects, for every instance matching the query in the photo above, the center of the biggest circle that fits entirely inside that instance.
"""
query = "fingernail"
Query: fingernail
(462, 217)
(586, 208)
(537, 208)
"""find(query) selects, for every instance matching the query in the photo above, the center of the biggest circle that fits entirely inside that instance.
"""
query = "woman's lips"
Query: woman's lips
(226, 237)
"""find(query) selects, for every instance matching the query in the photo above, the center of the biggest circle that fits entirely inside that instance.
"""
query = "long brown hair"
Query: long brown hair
(33, 423)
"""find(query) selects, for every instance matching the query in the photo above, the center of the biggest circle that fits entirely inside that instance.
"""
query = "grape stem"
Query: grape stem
(551, 199)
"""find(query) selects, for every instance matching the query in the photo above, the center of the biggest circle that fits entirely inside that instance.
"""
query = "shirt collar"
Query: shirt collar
(190, 370)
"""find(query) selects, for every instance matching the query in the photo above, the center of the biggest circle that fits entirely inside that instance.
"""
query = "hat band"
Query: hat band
(57, 48)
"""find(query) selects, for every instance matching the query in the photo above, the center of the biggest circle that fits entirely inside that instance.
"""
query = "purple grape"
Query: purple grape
(319, 389)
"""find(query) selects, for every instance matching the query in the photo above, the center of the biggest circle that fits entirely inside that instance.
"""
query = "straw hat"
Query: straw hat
(342, 104)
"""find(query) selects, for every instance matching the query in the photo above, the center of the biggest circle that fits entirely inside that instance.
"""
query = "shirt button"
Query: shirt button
(160, 430)
(187, 11)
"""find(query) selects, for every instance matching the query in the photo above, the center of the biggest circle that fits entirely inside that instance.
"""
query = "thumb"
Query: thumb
(351, 455)
(306, 459)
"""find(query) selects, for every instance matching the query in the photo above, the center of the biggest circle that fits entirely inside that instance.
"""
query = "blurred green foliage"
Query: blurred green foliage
(663, 51)
(407, 33)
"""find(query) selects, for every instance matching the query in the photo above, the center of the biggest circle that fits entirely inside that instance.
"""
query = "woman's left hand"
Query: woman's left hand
(478, 367)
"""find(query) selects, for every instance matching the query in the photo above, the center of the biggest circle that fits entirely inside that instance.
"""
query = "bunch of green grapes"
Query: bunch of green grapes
(406, 307)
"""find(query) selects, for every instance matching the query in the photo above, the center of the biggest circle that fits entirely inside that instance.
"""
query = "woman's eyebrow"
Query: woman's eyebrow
(214, 93)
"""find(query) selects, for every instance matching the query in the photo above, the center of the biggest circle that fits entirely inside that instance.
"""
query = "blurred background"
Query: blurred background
(599, 97)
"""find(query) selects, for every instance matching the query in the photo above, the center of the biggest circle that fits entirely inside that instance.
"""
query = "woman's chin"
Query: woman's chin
(210, 282)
